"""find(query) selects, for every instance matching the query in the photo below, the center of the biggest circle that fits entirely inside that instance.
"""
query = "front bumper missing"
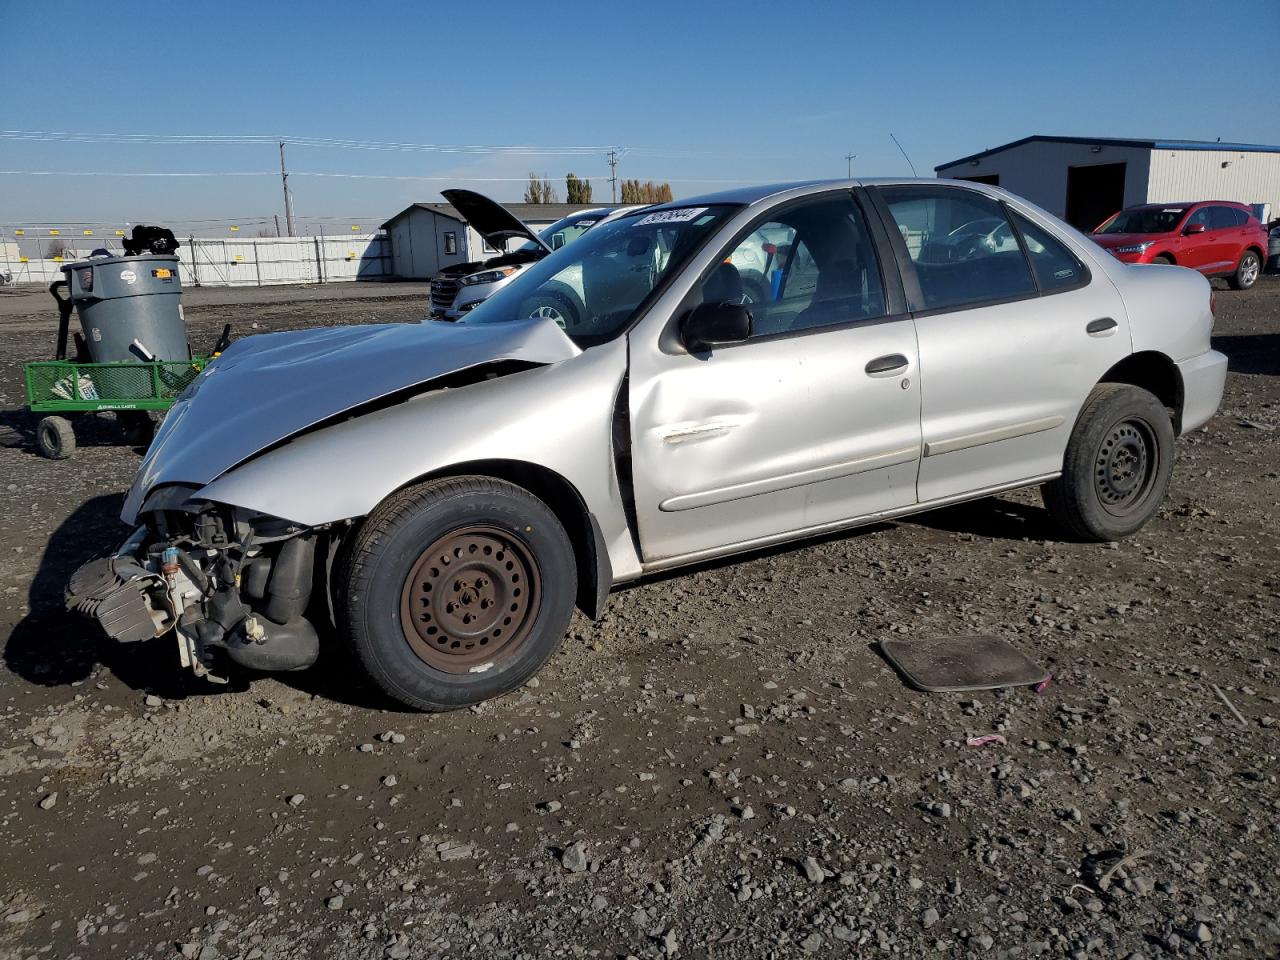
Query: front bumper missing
(132, 603)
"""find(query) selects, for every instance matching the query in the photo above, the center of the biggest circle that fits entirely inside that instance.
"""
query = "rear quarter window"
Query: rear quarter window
(1056, 267)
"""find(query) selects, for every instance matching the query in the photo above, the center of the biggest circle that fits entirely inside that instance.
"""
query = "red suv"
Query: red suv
(1218, 238)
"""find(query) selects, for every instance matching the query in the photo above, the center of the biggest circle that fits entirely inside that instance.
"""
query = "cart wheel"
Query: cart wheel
(55, 439)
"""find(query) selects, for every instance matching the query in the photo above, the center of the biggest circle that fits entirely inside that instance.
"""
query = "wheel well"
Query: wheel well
(595, 574)
(1155, 373)
(1166, 255)
(1258, 250)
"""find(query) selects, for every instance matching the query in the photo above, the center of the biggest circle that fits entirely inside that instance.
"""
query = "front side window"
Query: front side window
(1198, 219)
(593, 286)
(1056, 267)
(812, 266)
(961, 245)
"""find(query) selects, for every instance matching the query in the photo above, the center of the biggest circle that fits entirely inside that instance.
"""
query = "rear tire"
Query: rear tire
(1247, 271)
(457, 591)
(1117, 465)
(55, 439)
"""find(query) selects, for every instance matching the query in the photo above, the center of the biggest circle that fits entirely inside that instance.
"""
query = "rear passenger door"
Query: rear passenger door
(1011, 338)
(1225, 225)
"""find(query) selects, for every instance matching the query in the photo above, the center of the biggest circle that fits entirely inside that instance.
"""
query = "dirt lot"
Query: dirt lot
(720, 767)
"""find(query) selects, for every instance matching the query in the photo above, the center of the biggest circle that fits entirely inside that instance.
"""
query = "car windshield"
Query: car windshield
(564, 231)
(592, 288)
(1144, 220)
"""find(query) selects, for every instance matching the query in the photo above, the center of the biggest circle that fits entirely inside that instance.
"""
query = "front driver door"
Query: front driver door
(813, 421)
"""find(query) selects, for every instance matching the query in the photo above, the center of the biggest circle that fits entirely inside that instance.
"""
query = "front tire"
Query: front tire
(555, 306)
(1117, 465)
(1247, 271)
(457, 591)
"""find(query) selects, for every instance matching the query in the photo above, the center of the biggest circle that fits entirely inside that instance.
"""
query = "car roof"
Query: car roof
(1190, 203)
(746, 195)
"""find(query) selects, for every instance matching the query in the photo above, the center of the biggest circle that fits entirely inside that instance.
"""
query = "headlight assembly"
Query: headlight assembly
(489, 276)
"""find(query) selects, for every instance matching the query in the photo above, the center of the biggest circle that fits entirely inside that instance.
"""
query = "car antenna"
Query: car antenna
(904, 155)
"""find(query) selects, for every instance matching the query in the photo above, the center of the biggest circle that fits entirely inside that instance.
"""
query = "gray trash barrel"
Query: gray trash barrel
(123, 299)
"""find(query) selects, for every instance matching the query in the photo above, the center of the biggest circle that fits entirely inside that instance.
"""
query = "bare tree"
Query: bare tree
(539, 190)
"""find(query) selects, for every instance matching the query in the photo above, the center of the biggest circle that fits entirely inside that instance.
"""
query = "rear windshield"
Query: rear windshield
(1145, 220)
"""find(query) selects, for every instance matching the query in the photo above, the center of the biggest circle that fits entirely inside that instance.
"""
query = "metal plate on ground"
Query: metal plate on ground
(946, 664)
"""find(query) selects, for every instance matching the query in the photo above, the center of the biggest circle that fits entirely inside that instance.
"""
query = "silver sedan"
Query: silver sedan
(749, 368)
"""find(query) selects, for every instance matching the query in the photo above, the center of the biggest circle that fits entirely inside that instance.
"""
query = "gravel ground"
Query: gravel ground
(721, 767)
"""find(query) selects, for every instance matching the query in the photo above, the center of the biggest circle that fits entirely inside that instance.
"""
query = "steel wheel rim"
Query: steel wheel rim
(470, 600)
(1125, 467)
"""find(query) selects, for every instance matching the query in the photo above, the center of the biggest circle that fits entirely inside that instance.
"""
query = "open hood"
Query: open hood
(491, 219)
(267, 388)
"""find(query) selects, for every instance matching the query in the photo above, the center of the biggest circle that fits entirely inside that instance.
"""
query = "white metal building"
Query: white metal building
(1085, 180)
(429, 236)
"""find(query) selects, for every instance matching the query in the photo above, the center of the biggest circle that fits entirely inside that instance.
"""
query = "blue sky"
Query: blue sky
(696, 92)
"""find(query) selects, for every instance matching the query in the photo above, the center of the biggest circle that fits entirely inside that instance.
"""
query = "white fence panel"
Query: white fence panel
(215, 262)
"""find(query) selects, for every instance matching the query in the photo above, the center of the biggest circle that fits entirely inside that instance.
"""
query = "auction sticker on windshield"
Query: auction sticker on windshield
(683, 215)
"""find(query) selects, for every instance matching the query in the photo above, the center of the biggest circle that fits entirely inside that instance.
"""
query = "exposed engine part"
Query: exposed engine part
(217, 579)
(127, 599)
(284, 646)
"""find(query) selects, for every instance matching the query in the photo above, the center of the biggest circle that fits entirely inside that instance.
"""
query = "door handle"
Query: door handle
(1102, 327)
(890, 363)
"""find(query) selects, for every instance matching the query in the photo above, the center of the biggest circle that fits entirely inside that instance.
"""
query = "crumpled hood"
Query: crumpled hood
(266, 388)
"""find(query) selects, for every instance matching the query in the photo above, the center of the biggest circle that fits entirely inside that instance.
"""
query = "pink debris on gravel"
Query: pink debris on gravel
(985, 739)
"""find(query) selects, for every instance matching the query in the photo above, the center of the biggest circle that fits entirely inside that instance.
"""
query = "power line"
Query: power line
(349, 143)
(345, 176)
(111, 173)
(62, 136)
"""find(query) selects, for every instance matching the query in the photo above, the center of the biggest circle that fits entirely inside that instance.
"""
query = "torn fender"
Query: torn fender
(268, 388)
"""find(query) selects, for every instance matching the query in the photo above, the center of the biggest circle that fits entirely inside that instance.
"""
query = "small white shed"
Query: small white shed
(427, 237)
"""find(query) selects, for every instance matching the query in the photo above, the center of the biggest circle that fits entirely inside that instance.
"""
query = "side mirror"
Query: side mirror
(557, 241)
(1193, 228)
(716, 324)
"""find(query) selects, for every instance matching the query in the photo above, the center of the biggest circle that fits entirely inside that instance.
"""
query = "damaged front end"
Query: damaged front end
(224, 581)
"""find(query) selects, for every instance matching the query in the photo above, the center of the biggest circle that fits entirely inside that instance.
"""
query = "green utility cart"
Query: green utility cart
(137, 391)
(131, 356)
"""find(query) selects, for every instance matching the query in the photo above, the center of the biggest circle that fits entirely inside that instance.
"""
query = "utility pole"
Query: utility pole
(277, 216)
(288, 200)
(613, 175)
(851, 157)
